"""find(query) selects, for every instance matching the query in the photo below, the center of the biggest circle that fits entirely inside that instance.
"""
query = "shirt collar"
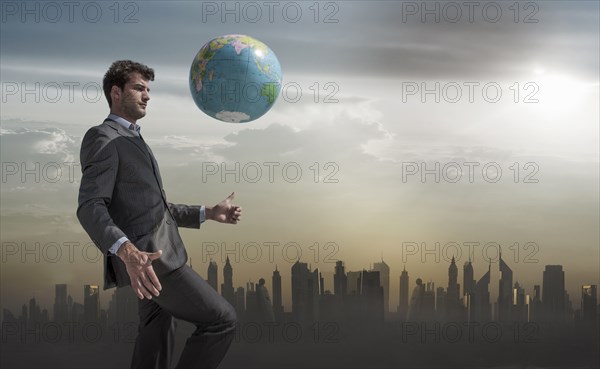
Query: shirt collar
(124, 123)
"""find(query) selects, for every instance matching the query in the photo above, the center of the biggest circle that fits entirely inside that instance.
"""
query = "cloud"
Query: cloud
(47, 144)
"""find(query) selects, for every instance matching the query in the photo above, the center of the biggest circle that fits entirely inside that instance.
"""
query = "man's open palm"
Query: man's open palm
(139, 267)
(226, 212)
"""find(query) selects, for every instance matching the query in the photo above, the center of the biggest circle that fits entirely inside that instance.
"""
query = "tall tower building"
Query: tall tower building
(340, 281)
(519, 307)
(353, 280)
(264, 303)
(305, 293)
(481, 309)
(384, 278)
(61, 311)
(251, 314)
(468, 278)
(227, 290)
(453, 292)
(589, 303)
(213, 275)
(553, 293)
(91, 303)
(372, 296)
(277, 300)
(35, 314)
(440, 302)
(505, 291)
(403, 301)
(240, 303)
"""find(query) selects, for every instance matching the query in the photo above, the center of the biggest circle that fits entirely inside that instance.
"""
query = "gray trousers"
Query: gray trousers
(186, 296)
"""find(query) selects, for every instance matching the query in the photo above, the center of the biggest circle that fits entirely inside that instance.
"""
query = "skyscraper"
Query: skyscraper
(440, 302)
(240, 303)
(589, 303)
(251, 314)
(91, 303)
(305, 293)
(416, 300)
(384, 278)
(553, 293)
(61, 312)
(428, 302)
(340, 281)
(227, 290)
(35, 314)
(519, 307)
(372, 296)
(264, 304)
(403, 301)
(481, 309)
(213, 276)
(453, 292)
(505, 291)
(353, 279)
(536, 304)
(468, 278)
(277, 300)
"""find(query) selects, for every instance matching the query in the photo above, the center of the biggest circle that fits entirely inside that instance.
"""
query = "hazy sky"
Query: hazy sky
(518, 89)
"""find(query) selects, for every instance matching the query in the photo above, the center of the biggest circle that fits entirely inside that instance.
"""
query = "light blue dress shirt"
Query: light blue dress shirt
(136, 131)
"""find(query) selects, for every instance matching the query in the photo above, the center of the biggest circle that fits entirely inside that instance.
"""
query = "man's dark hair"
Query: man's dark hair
(119, 73)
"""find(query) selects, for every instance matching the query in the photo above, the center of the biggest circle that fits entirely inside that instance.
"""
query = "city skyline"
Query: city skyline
(497, 303)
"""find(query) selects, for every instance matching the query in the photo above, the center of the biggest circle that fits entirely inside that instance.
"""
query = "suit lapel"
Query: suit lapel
(141, 144)
(127, 134)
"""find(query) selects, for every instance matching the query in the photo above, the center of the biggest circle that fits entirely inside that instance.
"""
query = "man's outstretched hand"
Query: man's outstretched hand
(139, 267)
(225, 211)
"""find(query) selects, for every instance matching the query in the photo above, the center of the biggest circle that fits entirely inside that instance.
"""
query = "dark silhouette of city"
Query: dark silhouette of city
(451, 326)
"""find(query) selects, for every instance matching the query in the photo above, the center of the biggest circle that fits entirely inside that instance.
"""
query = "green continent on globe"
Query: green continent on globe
(235, 78)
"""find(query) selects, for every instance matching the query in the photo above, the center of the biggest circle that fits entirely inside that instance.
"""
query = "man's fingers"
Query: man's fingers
(231, 197)
(149, 286)
(139, 293)
(153, 279)
(143, 291)
(154, 255)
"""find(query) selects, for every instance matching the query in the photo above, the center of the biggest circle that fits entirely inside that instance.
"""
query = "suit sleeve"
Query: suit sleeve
(99, 165)
(187, 216)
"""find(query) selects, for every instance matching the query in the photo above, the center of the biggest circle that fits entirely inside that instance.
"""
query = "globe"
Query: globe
(235, 78)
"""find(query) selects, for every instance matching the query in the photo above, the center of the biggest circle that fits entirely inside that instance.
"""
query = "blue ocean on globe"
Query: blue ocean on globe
(235, 78)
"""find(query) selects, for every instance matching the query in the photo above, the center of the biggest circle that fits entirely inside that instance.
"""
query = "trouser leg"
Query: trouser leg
(187, 296)
(156, 337)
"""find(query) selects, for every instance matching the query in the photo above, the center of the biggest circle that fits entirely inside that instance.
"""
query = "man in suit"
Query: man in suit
(124, 209)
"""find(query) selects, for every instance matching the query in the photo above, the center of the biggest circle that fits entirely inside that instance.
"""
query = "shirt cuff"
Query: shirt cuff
(202, 214)
(115, 247)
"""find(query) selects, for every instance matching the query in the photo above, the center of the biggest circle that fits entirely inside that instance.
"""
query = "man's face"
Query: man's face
(133, 98)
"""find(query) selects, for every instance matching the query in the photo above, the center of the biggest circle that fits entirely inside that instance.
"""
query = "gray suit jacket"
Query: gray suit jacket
(121, 194)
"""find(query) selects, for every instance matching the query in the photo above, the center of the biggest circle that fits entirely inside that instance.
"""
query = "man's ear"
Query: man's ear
(115, 93)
